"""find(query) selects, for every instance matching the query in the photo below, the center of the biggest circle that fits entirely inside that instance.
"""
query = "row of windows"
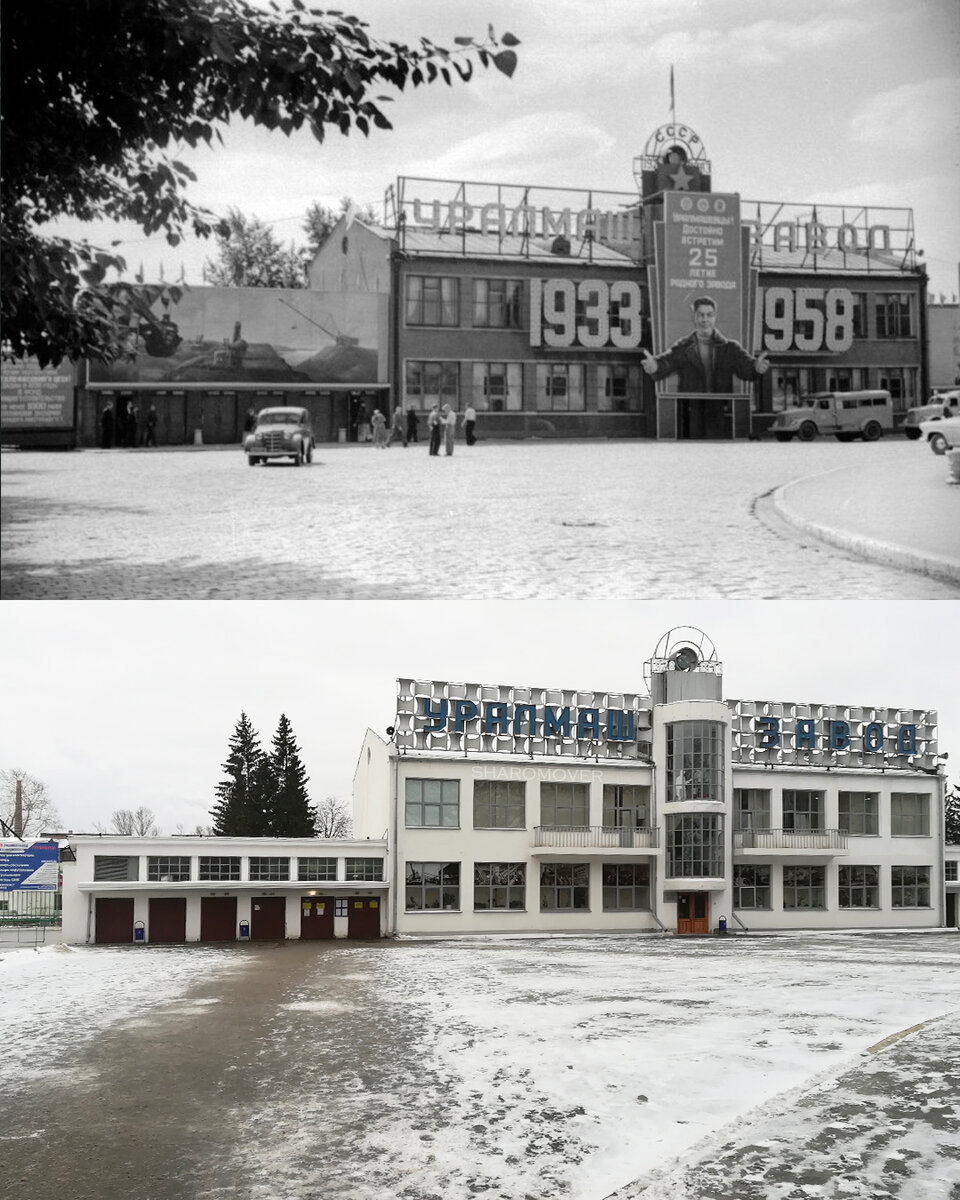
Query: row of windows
(858, 813)
(499, 386)
(227, 868)
(502, 887)
(805, 887)
(435, 803)
(439, 300)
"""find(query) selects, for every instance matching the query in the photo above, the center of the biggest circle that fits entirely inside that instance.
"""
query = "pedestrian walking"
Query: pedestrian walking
(469, 424)
(379, 424)
(133, 425)
(363, 424)
(249, 422)
(398, 428)
(433, 424)
(106, 426)
(413, 423)
(150, 431)
(449, 428)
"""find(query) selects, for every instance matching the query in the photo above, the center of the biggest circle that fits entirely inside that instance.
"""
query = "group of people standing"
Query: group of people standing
(441, 425)
(121, 427)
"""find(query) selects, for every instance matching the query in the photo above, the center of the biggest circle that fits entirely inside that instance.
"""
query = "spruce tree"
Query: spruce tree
(289, 812)
(239, 811)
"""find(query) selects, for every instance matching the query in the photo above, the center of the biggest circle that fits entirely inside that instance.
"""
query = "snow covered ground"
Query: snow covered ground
(567, 1067)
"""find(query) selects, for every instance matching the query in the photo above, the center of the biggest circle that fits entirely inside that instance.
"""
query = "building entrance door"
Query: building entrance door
(693, 912)
(316, 917)
(363, 917)
(268, 918)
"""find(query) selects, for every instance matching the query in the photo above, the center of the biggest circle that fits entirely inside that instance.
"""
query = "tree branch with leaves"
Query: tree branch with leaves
(98, 98)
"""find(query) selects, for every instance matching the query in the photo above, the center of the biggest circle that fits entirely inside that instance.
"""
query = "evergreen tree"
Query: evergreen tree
(951, 817)
(289, 812)
(239, 811)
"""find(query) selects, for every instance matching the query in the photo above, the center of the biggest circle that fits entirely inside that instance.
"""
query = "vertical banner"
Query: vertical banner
(702, 256)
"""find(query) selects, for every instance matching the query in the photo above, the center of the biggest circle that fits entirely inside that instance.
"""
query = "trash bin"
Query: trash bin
(139, 934)
(341, 435)
(244, 930)
(722, 925)
(198, 437)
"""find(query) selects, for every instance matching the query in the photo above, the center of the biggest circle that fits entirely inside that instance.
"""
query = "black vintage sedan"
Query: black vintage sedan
(280, 433)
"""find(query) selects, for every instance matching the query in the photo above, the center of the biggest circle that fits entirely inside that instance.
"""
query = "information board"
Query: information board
(35, 397)
(26, 867)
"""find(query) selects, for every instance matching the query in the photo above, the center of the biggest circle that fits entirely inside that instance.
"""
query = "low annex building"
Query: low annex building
(214, 889)
(536, 810)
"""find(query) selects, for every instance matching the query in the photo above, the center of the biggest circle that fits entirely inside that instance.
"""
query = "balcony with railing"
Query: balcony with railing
(807, 843)
(594, 839)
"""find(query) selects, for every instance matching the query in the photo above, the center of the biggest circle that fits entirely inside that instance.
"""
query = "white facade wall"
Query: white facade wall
(81, 889)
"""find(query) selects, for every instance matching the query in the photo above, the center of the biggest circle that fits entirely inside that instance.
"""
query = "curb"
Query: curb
(886, 553)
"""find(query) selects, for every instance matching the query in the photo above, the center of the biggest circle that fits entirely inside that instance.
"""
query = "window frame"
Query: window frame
(442, 804)
(268, 868)
(900, 886)
(320, 877)
(628, 881)
(508, 878)
(363, 870)
(578, 803)
(897, 815)
(799, 888)
(516, 803)
(858, 886)
(508, 305)
(863, 815)
(178, 874)
(795, 811)
(427, 296)
(577, 887)
(230, 862)
(447, 883)
(752, 878)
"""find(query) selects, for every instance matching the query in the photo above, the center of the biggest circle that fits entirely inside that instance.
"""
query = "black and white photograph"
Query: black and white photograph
(575, 817)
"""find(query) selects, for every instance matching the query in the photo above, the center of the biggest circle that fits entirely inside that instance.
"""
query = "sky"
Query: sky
(116, 704)
(827, 101)
(564, 1067)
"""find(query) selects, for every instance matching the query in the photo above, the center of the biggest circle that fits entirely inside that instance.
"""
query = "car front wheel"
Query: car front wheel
(872, 431)
(310, 453)
(784, 437)
(252, 460)
(938, 443)
(807, 431)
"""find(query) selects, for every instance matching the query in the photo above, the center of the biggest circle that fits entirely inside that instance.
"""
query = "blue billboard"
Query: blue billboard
(29, 867)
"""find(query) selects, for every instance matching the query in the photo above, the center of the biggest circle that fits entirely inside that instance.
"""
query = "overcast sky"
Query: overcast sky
(115, 704)
(829, 101)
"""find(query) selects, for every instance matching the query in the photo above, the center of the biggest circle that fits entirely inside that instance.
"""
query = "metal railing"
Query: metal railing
(585, 837)
(789, 839)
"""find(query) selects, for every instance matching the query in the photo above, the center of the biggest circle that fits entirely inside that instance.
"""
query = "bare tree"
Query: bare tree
(333, 819)
(38, 812)
(139, 822)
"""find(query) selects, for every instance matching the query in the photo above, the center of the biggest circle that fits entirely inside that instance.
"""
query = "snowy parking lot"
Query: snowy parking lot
(507, 1067)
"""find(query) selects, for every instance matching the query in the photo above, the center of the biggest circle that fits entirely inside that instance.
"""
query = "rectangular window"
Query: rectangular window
(432, 886)
(168, 869)
(565, 805)
(695, 760)
(496, 303)
(432, 803)
(802, 810)
(860, 315)
(340, 907)
(618, 387)
(219, 868)
(560, 387)
(894, 314)
(751, 886)
(626, 887)
(269, 870)
(364, 870)
(433, 300)
(751, 808)
(859, 887)
(499, 805)
(564, 886)
(909, 814)
(626, 806)
(804, 887)
(695, 846)
(430, 383)
(910, 887)
(950, 871)
(499, 886)
(316, 870)
(498, 386)
(860, 813)
(116, 868)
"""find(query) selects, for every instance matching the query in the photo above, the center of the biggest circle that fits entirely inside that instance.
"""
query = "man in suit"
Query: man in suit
(705, 360)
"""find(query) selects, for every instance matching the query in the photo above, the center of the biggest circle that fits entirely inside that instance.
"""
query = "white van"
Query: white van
(847, 415)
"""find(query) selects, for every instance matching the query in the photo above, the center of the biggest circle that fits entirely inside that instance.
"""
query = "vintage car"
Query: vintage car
(847, 415)
(280, 433)
(942, 433)
(941, 405)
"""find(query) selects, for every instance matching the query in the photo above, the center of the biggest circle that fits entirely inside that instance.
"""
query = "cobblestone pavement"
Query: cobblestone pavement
(513, 520)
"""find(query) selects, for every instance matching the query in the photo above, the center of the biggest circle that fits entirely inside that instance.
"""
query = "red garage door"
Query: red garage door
(363, 917)
(267, 918)
(114, 922)
(218, 919)
(316, 917)
(168, 919)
